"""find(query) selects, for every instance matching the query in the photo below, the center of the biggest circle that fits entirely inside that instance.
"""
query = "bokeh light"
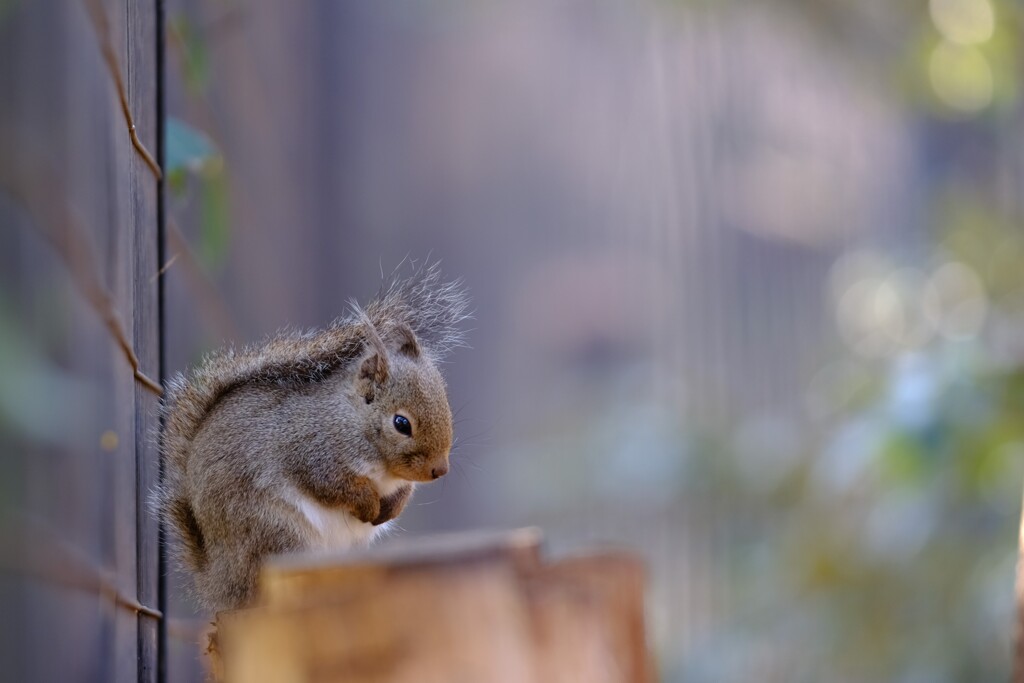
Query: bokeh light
(961, 77)
(955, 301)
(965, 22)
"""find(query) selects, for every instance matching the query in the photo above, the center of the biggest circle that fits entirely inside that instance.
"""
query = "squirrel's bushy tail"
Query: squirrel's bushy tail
(174, 508)
(433, 309)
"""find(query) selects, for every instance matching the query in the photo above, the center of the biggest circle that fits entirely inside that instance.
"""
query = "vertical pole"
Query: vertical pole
(1018, 654)
(143, 80)
(161, 236)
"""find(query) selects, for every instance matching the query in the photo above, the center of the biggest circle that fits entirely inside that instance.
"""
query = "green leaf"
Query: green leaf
(187, 149)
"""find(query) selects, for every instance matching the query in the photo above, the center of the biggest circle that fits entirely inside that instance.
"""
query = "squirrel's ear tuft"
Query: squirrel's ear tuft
(373, 371)
(407, 342)
(373, 368)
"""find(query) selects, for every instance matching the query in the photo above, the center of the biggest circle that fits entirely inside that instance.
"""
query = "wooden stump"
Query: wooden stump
(463, 607)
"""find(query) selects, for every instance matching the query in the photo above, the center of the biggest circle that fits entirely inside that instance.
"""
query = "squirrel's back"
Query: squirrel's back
(434, 310)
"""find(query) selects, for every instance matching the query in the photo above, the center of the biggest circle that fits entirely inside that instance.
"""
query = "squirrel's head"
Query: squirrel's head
(410, 422)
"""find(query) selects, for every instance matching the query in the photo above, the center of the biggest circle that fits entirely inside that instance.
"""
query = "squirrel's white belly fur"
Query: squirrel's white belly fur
(336, 528)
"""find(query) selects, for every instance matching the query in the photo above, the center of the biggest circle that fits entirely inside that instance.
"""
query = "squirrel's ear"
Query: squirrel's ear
(373, 368)
(373, 371)
(407, 343)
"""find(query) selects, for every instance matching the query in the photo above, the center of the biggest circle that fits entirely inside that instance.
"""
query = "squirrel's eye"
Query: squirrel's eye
(402, 424)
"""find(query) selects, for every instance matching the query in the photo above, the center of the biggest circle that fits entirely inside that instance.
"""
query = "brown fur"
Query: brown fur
(308, 412)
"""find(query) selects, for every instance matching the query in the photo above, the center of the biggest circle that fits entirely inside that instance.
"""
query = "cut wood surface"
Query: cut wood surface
(588, 612)
(463, 607)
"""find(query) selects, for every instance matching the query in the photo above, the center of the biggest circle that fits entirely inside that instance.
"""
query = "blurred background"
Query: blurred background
(748, 283)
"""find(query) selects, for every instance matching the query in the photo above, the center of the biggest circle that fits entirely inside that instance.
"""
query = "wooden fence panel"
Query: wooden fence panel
(79, 211)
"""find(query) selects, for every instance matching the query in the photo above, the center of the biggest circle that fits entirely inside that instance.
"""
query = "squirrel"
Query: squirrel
(309, 440)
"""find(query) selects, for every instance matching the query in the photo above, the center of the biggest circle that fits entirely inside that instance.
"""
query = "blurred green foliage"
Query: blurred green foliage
(6, 6)
(884, 548)
(31, 380)
(188, 150)
(190, 154)
(216, 234)
(195, 56)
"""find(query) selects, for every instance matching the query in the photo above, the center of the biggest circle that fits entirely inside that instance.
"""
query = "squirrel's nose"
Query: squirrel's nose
(439, 471)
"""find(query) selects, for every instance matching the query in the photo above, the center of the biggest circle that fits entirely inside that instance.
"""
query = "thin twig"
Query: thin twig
(211, 301)
(98, 16)
(165, 267)
(57, 223)
(113, 321)
(74, 256)
(45, 556)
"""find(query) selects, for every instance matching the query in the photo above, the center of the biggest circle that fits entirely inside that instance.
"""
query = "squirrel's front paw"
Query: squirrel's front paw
(393, 505)
(364, 503)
